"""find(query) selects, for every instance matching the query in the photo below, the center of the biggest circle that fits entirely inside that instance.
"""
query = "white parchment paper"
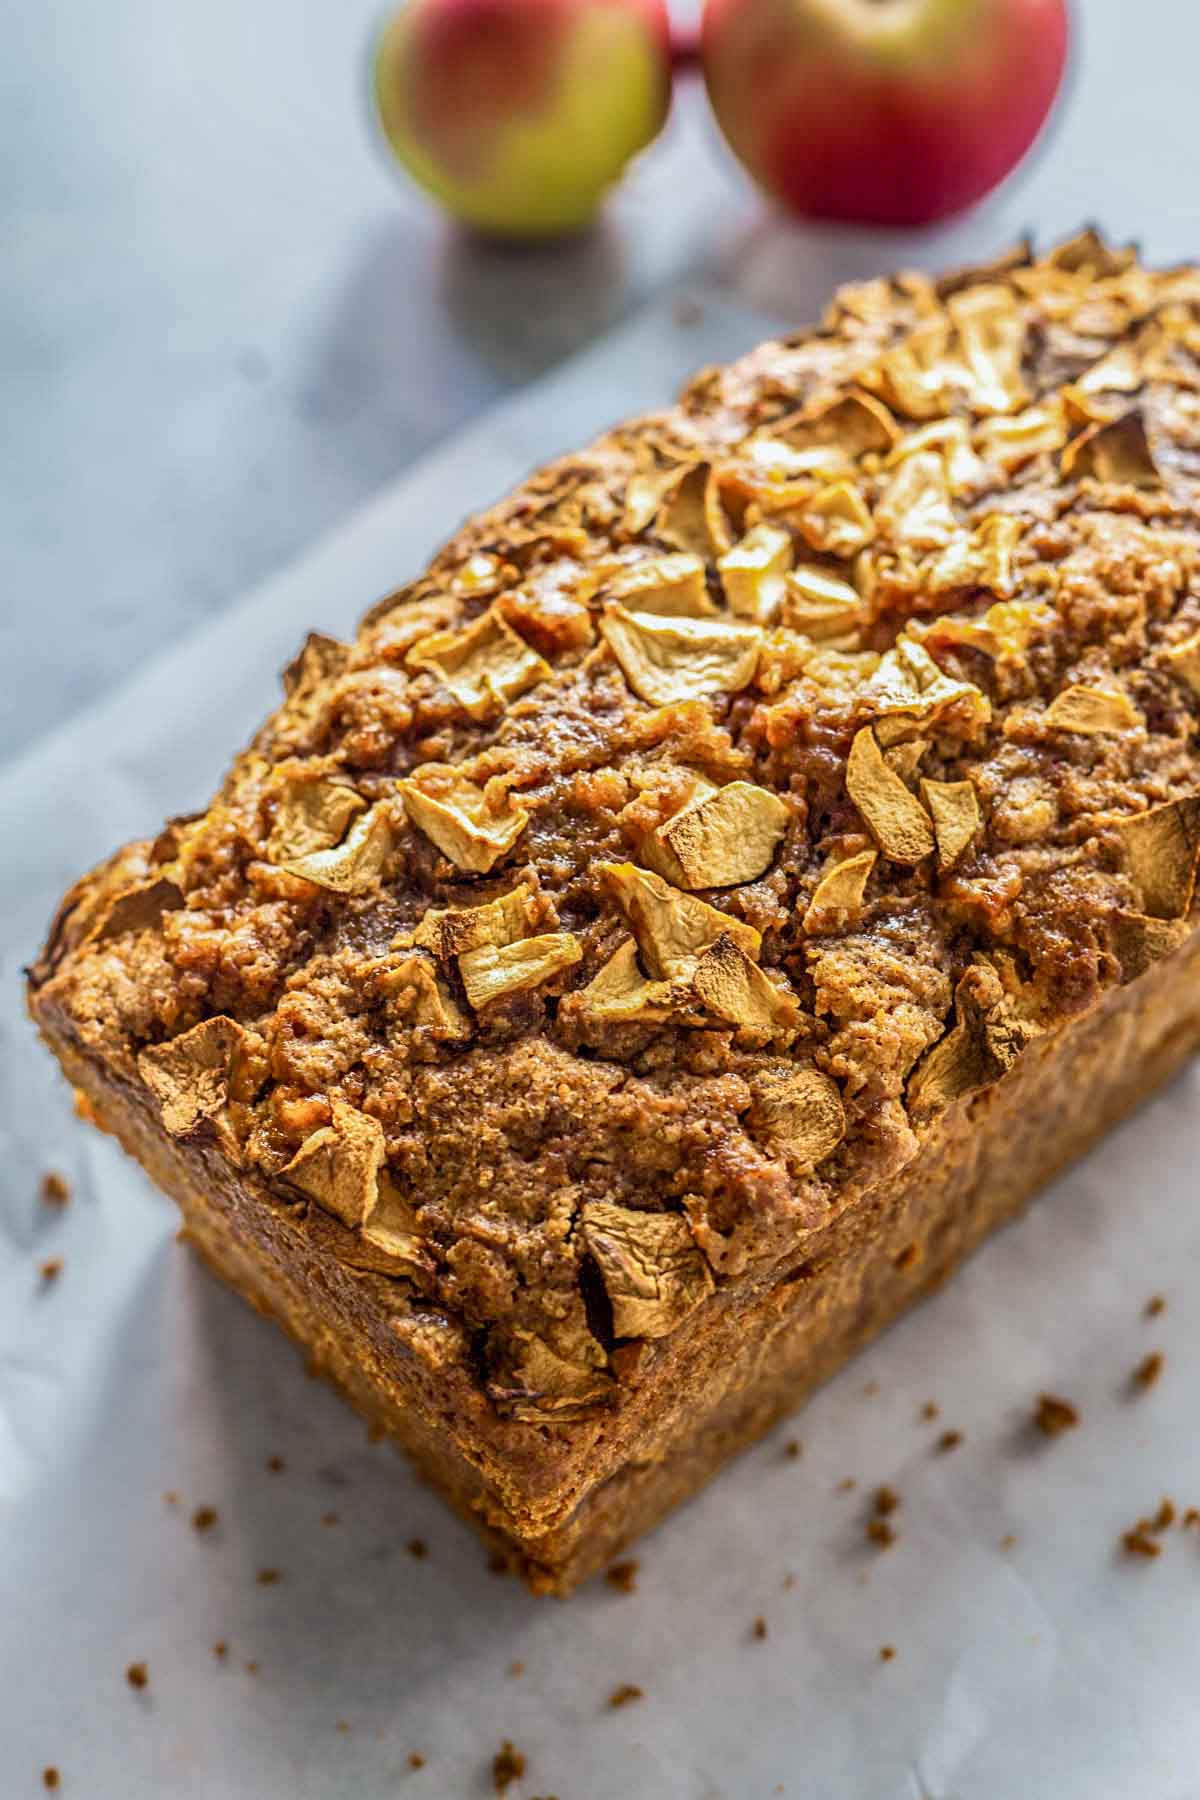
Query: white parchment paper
(1052, 1668)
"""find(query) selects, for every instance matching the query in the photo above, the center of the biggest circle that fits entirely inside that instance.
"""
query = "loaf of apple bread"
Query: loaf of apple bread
(751, 859)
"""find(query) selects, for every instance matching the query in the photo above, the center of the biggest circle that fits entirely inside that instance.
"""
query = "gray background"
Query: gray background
(225, 320)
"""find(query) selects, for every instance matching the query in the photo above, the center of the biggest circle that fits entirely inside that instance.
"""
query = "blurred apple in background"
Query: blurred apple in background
(888, 112)
(518, 114)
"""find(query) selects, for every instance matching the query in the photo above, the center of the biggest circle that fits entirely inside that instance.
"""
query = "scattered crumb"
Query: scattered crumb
(1053, 1415)
(881, 1533)
(625, 1695)
(870, 1389)
(930, 1410)
(758, 1630)
(204, 1518)
(415, 1760)
(1191, 1517)
(50, 1777)
(687, 312)
(220, 1650)
(949, 1440)
(886, 1501)
(268, 1577)
(330, 1518)
(792, 1448)
(1142, 1539)
(252, 1668)
(516, 1670)
(171, 1498)
(418, 1548)
(887, 1652)
(508, 1765)
(1148, 1371)
(137, 1675)
(846, 1486)
(54, 1191)
(1155, 1305)
(789, 1581)
(343, 1725)
(51, 1269)
(1008, 1541)
(276, 1465)
(623, 1576)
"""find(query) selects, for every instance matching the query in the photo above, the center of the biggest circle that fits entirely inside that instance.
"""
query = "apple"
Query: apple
(888, 112)
(517, 115)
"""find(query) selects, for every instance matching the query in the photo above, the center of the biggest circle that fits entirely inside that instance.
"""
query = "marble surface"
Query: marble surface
(225, 320)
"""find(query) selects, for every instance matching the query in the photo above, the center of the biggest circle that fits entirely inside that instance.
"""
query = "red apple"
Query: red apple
(891, 112)
(518, 114)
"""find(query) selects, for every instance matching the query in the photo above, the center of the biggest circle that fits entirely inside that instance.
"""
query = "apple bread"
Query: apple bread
(745, 865)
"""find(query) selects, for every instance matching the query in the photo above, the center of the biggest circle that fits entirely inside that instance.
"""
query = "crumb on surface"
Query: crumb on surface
(846, 1485)
(55, 1189)
(949, 1440)
(268, 1577)
(792, 1448)
(789, 1581)
(516, 1669)
(887, 1652)
(870, 1389)
(417, 1548)
(1191, 1517)
(886, 1501)
(508, 1765)
(625, 1695)
(1008, 1541)
(204, 1518)
(50, 1777)
(1148, 1371)
(51, 1269)
(758, 1630)
(623, 1576)
(276, 1465)
(1054, 1415)
(220, 1649)
(343, 1725)
(252, 1667)
(415, 1760)
(137, 1675)
(881, 1533)
(1155, 1305)
(330, 1518)
(1142, 1539)
(930, 1411)
(171, 1498)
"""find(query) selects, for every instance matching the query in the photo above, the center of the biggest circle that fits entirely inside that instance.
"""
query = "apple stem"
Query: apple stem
(685, 50)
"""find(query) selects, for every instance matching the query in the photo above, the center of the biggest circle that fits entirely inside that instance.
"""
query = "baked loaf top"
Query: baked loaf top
(731, 799)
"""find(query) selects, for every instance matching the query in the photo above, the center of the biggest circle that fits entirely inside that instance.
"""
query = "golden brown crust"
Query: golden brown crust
(714, 811)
